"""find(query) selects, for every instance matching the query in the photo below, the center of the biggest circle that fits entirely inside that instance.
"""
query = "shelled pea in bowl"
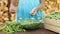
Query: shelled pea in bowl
(29, 23)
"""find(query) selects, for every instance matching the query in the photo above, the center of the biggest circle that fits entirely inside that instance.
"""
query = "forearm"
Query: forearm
(41, 4)
(13, 2)
(42, 1)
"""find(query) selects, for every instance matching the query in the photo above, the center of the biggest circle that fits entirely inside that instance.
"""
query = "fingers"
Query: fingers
(33, 12)
(12, 8)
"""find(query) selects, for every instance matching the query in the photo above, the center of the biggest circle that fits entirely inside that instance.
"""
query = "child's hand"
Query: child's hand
(34, 10)
(12, 8)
